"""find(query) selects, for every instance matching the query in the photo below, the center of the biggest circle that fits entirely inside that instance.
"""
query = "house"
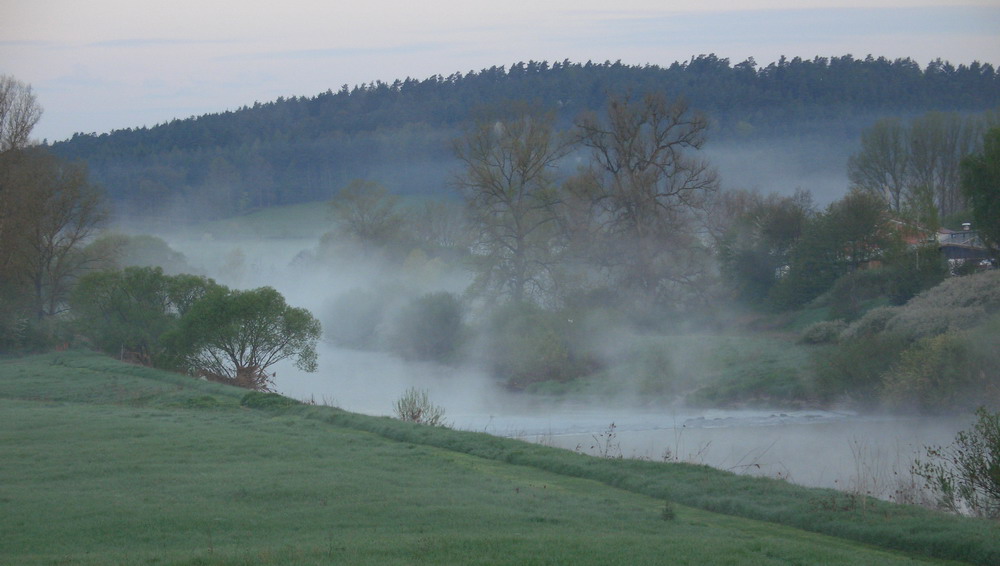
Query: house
(963, 245)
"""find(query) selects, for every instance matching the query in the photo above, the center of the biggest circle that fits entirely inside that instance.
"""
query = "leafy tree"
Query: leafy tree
(117, 251)
(127, 313)
(981, 186)
(49, 212)
(509, 187)
(757, 247)
(966, 474)
(851, 233)
(236, 336)
(645, 191)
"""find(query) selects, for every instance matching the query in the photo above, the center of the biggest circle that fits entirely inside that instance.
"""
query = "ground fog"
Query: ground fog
(865, 454)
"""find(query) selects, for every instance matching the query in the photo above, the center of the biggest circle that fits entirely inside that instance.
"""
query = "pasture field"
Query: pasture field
(107, 463)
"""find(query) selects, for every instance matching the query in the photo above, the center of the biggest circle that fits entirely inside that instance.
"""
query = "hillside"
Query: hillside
(797, 115)
(109, 463)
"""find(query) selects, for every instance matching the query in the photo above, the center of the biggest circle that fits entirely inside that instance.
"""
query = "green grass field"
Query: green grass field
(106, 463)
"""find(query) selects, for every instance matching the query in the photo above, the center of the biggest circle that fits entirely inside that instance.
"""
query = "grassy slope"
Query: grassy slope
(105, 463)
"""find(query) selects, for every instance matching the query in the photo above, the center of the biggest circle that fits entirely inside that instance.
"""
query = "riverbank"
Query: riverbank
(110, 463)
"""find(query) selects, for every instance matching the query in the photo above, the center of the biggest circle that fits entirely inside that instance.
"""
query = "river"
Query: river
(818, 448)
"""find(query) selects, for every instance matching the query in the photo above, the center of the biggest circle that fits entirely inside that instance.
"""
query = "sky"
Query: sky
(100, 65)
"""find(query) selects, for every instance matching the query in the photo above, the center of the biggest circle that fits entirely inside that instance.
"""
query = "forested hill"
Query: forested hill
(302, 149)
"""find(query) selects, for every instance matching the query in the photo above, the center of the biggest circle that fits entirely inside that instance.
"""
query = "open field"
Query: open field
(106, 463)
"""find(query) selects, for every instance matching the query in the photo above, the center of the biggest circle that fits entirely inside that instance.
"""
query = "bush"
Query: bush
(823, 332)
(354, 319)
(260, 400)
(951, 371)
(202, 402)
(933, 375)
(966, 475)
(873, 322)
(851, 292)
(415, 407)
(429, 327)
(915, 271)
(526, 344)
(978, 290)
(855, 367)
(923, 320)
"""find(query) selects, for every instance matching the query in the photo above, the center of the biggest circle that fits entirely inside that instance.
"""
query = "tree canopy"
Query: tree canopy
(235, 336)
(981, 186)
(302, 149)
(190, 323)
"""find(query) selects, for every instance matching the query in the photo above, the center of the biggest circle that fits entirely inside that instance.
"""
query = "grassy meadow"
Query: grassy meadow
(107, 463)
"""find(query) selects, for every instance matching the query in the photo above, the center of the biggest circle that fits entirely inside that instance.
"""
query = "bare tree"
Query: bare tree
(511, 192)
(19, 112)
(881, 167)
(438, 224)
(915, 167)
(366, 212)
(646, 189)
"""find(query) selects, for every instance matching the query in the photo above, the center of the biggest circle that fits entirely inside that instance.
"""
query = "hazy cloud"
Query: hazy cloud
(129, 43)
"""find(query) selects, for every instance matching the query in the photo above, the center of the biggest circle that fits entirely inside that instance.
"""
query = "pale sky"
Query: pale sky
(99, 65)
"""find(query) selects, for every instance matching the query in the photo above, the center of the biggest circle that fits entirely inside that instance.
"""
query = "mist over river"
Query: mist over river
(842, 450)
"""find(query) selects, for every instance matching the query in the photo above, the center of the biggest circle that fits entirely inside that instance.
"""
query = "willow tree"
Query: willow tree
(509, 186)
(234, 336)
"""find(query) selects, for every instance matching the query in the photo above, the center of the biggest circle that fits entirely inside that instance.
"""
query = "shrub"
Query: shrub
(923, 320)
(851, 292)
(935, 374)
(260, 400)
(354, 318)
(429, 327)
(873, 322)
(855, 367)
(966, 475)
(526, 344)
(978, 290)
(823, 332)
(415, 407)
(915, 271)
(202, 402)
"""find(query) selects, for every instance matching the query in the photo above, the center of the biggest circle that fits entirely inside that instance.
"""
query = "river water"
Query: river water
(817, 448)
